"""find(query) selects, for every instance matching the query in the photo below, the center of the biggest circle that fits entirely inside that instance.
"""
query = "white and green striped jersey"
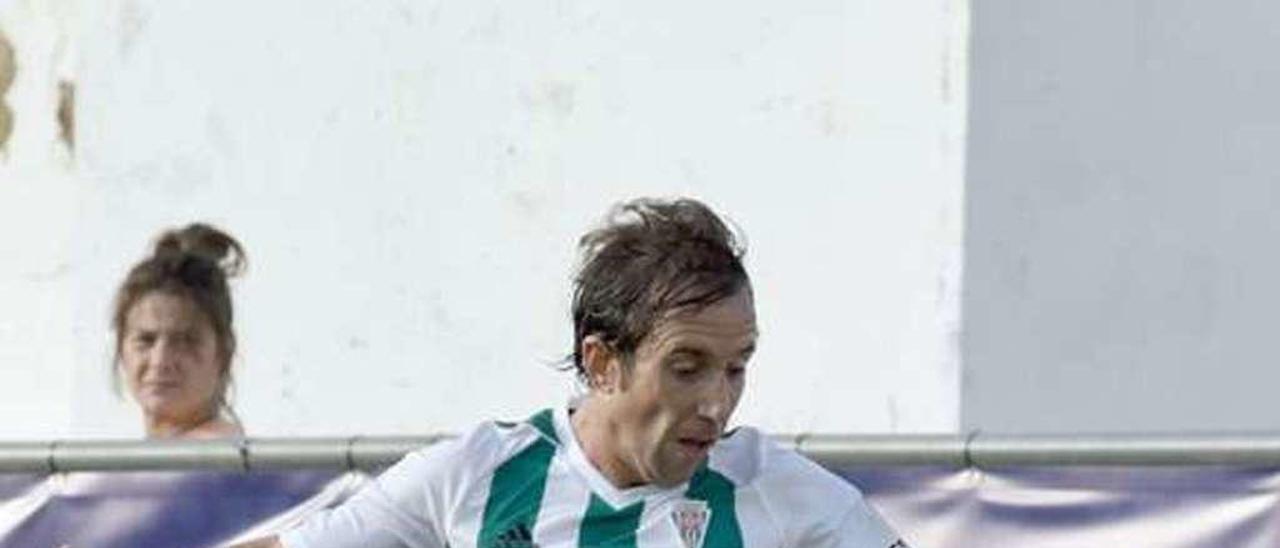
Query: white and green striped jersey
(530, 485)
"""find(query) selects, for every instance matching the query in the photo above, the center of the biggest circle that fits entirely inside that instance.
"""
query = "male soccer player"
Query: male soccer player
(664, 326)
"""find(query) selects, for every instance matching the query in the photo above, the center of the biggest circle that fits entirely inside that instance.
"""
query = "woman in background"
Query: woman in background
(174, 336)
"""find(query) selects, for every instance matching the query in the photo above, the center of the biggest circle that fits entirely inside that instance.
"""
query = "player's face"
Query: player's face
(676, 397)
(170, 357)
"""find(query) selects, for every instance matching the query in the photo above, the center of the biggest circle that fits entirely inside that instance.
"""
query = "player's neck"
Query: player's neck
(600, 443)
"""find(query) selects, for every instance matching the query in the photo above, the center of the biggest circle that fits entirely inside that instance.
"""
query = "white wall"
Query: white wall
(39, 201)
(409, 179)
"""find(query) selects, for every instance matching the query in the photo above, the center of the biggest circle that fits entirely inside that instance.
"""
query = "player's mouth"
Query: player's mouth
(695, 447)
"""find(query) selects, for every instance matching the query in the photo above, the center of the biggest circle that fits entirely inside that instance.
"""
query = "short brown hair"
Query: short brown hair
(651, 257)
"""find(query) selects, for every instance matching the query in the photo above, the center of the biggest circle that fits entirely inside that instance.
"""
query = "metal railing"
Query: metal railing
(975, 450)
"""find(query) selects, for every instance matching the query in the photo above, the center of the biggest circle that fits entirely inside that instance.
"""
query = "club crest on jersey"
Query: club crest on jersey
(691, 518)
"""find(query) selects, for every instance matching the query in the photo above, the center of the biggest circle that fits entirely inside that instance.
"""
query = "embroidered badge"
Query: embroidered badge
(691, 518)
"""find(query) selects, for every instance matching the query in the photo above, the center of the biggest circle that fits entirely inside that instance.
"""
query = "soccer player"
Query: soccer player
(664, 328)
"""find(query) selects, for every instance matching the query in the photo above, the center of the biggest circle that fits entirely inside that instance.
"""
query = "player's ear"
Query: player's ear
(601, 364)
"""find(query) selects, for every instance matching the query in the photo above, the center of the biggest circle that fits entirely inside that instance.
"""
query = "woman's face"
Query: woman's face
(171, 360)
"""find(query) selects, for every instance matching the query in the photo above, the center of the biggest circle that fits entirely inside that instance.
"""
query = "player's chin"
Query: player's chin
(674, 476)
(681, 464)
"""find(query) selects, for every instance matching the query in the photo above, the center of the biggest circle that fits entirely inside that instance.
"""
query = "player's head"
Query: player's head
(173, 325)
(664, 323)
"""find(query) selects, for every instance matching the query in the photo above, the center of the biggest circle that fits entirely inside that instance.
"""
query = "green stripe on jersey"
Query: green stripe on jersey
(515, 495)
(604, 526)
(543, 422)
(712, 487)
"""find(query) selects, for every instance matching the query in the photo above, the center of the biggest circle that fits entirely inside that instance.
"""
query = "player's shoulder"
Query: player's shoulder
(486, 445)
(750, 458)
(537, 426)
(806, 502)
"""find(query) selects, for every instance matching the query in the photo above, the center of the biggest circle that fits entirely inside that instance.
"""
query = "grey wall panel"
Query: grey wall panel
(1122, 238)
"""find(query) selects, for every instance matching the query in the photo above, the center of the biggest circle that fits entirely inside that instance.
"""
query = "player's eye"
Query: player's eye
(143, 340)
(685, 369)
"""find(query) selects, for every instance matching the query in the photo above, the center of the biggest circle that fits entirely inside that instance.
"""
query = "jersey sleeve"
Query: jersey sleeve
(818, 509)
(860, 527)
(403, 507)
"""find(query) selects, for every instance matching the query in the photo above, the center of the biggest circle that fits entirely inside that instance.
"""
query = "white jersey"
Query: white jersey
(530, 485)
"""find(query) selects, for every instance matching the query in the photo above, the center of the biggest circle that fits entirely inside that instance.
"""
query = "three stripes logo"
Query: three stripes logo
(518, 536)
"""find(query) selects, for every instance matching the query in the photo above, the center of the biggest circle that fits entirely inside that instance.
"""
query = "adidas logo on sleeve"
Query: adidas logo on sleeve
(530, 485)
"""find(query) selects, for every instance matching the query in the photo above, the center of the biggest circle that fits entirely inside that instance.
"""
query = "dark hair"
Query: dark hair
(193, 262)
(650, 258)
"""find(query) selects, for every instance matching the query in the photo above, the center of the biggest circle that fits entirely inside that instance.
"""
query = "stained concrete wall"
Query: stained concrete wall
(409, 179)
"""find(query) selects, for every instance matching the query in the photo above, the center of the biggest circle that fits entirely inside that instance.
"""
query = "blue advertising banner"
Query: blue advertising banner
(1210, 507)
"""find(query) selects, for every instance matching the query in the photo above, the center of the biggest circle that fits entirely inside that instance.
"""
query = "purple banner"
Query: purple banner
(1083, 507)
(940, 508)
(159, 508)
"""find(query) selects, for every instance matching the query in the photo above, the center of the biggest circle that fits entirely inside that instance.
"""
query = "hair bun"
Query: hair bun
(204, 241)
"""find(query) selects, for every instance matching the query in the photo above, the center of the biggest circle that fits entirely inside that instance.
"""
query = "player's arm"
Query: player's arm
(402, 507)
(409, 505)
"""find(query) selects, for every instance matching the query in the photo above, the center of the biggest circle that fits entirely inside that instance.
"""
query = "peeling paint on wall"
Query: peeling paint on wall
(8, 66)
(67, 114)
